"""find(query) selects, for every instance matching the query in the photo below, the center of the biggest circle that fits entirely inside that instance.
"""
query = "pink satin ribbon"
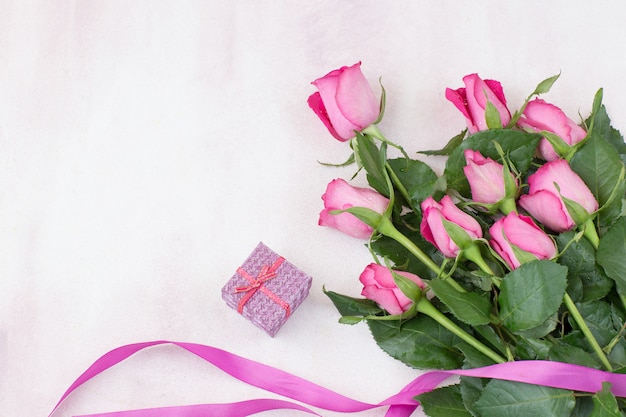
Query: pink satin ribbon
(402, 404)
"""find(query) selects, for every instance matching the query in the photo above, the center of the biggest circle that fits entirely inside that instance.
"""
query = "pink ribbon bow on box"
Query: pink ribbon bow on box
(267, 273)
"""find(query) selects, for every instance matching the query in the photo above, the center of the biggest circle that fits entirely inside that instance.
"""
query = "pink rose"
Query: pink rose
(521, 232)
(379, 286)
(472, 101)
(344, 102)
(544, 201)
(340, 196)
(486, 178)
(541, 116)
(433, 230)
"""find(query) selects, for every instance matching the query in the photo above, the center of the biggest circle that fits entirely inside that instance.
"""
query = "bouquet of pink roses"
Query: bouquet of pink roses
(517, 252)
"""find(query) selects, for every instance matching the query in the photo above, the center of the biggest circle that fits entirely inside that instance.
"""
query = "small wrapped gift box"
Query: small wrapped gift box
(266, 289)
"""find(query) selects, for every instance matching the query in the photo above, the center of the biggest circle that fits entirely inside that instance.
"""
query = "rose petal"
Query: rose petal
(485, 177)
(327, 88)
(501, 245)
(355, 98)
(384, 298)
(455, 215)
(526, 235)
(548, 210)
(317, 105)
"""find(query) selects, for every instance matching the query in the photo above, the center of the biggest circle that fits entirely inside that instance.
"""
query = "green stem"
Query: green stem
(424, 306)
(372, 130)
(472, 253)
(387, 228)
(398, 184)
(591, 234)
(615, 340)
(578, 318)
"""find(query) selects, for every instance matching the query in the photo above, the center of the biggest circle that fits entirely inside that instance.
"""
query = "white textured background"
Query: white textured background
(147, 146)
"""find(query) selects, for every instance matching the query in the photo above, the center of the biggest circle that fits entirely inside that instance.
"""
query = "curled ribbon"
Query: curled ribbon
(267, 273)
(402, 404)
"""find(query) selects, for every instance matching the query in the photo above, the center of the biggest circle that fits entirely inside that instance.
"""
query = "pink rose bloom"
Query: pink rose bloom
(344, 102)
(379, 286)
(433, 214)
(485, 177)
(520, 231)
(472, 101)
(340, 196)
(541, 116)
(544, 202)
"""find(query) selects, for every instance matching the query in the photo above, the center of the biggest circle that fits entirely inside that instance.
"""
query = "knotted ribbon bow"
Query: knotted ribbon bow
(267, 273)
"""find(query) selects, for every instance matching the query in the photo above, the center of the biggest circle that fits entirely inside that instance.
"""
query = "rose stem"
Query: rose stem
(424, 306)
(387, 228)
(578, 318)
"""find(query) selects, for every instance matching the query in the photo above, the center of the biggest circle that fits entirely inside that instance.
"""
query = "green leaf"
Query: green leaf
(469, 307)
(531, 294)
(576, 338)
(471, 390)
(348, 161)
(579, 256)
(580, 259)
(349, 306)
(517, 145)
(450, 146)
(600, 167)
(602, 127)
(605, 404)
(545, 85)
(583, 408)
(350, 320)
(372, 159)
(444, 402)
(489, 334)
(598, 317)
(513, 399)
(595, 108)
(563, 352)
(473, 358)
(541, 330)
(419, 342)
(527, 349)
(417, 178)
(618, 355)
(612, 254)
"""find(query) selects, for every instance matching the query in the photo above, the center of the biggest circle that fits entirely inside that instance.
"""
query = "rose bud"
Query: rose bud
(544, 201)
(433, 229)
(472, 101)
(379, 286)
(340, 195)
(345, 102)
(486, 178)
(541, 116)
(517, 239)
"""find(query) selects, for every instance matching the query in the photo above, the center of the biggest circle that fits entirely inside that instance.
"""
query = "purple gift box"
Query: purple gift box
(266, 289)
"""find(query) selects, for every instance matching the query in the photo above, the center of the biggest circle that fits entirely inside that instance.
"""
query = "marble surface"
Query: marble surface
(146, 147)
